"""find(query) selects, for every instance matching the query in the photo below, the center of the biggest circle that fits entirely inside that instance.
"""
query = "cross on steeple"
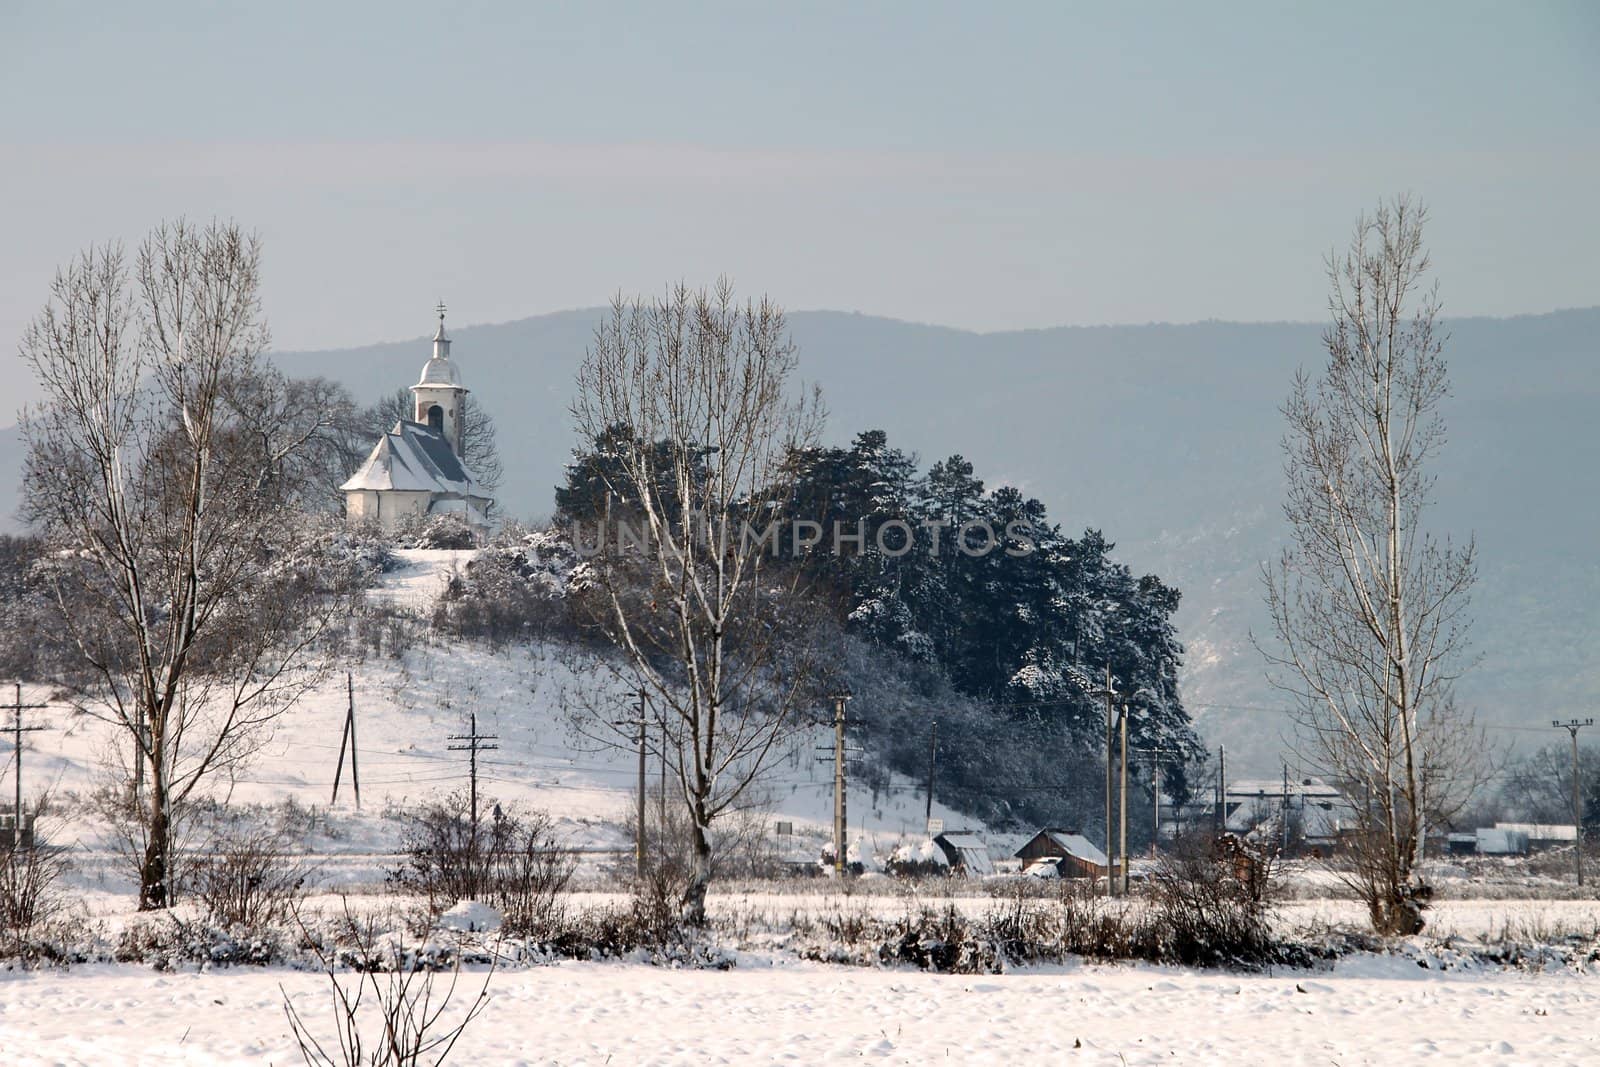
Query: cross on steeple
(440, 309)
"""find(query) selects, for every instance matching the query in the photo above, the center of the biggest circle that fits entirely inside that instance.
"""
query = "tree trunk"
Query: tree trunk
(153, 872)
(694, 893)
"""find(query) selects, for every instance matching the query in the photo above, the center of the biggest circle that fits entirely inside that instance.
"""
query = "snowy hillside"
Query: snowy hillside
(406, 710)
(1166, 438)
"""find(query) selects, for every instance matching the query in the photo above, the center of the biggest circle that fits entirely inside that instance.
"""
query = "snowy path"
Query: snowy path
(1371, 1012)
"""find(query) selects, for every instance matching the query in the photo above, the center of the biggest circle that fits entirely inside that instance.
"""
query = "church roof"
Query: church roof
(414, 457)
(439, 371)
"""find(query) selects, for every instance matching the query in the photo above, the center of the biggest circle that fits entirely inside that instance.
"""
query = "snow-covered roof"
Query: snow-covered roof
(1077, 846)
(413, 457)
(970, 848)
(1540, 831)
(439, 371)
(1273, 787)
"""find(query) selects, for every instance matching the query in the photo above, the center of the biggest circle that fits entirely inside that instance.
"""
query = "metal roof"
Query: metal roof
(415, 458)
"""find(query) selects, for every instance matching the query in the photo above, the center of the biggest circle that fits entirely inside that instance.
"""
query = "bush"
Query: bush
(1210, 903)
(435, 531)
(30, 898)
(249, 879)
(393, 1008)
(1199, 913)
(510, 860)
(512, 590)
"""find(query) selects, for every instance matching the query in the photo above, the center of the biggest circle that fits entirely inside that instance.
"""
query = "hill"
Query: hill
(1166, 437)
(408, 706)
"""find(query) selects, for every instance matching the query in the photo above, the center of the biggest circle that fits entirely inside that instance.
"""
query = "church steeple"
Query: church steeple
(441, 340)
(441, 398)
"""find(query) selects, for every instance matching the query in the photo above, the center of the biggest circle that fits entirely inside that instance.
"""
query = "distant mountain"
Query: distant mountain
(1166, 437)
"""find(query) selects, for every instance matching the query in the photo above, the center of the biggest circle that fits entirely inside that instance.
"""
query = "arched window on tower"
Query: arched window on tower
(436, 417)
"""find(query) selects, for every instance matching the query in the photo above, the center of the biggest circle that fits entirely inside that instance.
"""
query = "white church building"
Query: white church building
(417, 469)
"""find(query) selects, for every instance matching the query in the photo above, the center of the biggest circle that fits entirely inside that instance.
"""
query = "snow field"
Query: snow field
(1371, 1011)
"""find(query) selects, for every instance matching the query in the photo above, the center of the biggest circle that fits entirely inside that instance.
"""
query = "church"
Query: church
(418, 469)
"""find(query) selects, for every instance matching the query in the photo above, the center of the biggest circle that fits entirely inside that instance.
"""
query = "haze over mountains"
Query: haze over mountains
(1165, 437)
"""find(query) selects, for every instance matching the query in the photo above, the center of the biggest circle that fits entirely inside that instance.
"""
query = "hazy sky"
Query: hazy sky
(980, 165)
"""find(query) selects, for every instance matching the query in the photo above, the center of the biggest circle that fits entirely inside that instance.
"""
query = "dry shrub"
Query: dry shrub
(391, 1008)
(511, 860)
(1210, 903)
(30, 896)
(250, 879)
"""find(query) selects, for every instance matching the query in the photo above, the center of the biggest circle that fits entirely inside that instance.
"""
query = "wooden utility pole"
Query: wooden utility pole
(840, 824)
(1122, 833)
(1572, 726)
(933, 751)
(348, 737)
(839, 820)
(1222, 789)
(638, 848)
(475, 743)
(1111, 880)
(17, 730)
(1283, 813)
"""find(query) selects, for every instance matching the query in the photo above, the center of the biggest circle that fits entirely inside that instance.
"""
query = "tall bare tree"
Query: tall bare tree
(1369, 606)
(194, 596)
(702, 386)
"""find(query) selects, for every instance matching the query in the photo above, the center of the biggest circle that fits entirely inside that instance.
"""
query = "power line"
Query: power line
(475, 743)
(17, 729)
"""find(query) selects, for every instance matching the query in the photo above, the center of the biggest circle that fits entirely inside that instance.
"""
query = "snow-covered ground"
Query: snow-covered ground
(771, 1007)
(406, 710)
(1366, 1012)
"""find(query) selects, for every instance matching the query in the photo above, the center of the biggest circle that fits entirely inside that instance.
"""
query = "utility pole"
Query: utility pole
(1284, 813)
(1572, 726)
(840, 826)
(17, 730)
(349, 736)
(638, 846)
(838, 757)
(1156, 757)
(474, 745)
(1122, 846)
(933, 751)
(1111, 694)
(1155, 798)
(1222, 789)
(640, 834)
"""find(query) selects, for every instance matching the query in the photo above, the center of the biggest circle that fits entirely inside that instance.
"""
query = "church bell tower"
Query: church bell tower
(441, 398)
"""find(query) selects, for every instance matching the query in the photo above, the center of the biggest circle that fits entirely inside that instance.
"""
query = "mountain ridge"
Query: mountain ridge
(1163, 435)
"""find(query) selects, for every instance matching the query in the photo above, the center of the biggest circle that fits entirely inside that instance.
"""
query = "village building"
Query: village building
(1073, 855)
(418, 469)
(966, 852)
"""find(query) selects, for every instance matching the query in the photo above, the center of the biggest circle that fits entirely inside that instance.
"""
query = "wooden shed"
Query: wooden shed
(1074, 855)
(967, 852)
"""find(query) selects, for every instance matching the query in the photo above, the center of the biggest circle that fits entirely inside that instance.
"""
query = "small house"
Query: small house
(967, 852)
(1073, 854)
(1500, 841)
(1541, 835)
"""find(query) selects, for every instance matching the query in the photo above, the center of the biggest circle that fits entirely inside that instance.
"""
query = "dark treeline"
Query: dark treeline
(1002, 631)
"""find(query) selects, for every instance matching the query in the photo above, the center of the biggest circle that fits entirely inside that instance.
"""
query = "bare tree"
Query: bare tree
(309, 432)
(195, 598)
(480, 449)
(1368, 606)
(702, 386)
(1538, 786)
